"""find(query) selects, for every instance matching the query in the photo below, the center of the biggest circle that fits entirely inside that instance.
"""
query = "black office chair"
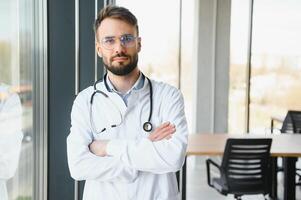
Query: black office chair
(292, 124)
(245, 168)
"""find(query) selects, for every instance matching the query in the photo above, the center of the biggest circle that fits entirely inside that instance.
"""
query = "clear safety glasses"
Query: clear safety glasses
(126, 41)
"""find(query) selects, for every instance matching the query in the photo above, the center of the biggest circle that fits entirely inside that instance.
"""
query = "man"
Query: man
(129, 134)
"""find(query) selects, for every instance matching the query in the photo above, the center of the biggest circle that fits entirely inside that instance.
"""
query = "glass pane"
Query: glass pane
(276, 61)
(240, 11)
(187, 51)
(16, 108)
(159, 29)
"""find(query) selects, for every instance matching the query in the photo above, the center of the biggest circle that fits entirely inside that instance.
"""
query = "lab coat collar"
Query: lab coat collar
(101, 85)
(138, 85)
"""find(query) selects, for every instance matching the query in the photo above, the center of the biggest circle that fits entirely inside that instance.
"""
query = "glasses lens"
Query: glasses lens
(108, 42)
(127, 40)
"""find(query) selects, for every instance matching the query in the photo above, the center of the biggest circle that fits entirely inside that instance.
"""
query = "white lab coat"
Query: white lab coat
(10, 136)
(136, 168)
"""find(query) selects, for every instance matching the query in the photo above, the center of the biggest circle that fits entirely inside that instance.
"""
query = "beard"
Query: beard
(122, 70)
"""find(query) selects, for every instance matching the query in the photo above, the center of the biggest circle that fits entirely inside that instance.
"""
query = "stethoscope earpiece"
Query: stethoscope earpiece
(147, 126)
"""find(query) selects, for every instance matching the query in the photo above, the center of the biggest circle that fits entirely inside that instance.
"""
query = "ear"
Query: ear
(98, 49)
(139, 44)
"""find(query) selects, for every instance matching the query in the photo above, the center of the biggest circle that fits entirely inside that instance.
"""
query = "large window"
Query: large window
(18, 64)
(16, 43)
(275, 63)
(239, 38)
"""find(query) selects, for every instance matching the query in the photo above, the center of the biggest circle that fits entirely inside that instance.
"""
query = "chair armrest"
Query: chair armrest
(273, 119)
(208, 162)
(277, 129)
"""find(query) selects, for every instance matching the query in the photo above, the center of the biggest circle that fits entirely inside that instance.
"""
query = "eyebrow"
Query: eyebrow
(109, 37)
(127, 34)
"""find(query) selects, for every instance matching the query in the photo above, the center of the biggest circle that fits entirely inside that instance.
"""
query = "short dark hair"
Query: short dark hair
(115, 12)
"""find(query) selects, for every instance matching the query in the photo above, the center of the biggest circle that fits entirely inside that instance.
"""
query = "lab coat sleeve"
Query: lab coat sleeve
(83, 164)
(10, 136)
(162, 156)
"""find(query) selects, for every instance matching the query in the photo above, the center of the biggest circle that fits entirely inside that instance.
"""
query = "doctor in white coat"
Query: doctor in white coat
(10, 136)
(128, 133)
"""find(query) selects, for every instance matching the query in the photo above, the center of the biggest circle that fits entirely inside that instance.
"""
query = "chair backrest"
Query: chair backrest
(245, 165)
(292, 122)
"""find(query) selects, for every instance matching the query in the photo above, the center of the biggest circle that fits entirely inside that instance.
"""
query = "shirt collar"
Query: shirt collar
(138, 85)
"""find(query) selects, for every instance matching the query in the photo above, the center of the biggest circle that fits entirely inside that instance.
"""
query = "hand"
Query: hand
(164, 131)
(98, 147)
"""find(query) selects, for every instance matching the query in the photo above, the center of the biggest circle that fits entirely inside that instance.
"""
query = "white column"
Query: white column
(211, 67)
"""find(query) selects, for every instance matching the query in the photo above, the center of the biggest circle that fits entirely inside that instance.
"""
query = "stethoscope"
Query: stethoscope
(147, 126)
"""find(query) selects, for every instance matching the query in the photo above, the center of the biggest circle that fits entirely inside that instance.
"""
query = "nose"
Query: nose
(119, 48)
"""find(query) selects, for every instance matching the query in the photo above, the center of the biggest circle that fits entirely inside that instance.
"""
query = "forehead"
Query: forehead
(115, 27)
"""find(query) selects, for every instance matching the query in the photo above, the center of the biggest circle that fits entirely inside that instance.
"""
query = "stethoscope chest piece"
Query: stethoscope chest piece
(147, 126)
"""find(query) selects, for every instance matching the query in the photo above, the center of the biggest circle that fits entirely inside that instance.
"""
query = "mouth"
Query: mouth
(120, 59)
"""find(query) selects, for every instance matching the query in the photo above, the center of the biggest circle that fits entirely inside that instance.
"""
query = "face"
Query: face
(119, 59)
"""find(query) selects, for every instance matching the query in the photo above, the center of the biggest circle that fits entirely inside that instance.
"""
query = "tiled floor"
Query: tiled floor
(197, 188)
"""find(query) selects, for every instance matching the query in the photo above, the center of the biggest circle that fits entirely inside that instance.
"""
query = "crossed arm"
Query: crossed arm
(165, 131)
(162, 151)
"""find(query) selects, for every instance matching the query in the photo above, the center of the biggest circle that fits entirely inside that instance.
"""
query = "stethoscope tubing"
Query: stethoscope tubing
(147, 126)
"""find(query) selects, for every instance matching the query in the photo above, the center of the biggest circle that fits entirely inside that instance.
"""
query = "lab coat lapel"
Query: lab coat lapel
(115, 98)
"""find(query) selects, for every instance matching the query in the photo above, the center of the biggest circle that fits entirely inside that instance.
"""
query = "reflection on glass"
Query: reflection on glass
(10, 136)
(238, 65)
(276, 61)
(159, 29)
(16, 69)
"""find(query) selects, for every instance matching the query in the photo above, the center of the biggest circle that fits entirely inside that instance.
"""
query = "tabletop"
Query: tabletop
(213, 144)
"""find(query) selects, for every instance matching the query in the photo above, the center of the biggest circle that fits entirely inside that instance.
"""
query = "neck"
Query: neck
(126, 82)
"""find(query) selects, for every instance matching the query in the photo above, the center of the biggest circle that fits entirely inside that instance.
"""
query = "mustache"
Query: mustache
(120, 55)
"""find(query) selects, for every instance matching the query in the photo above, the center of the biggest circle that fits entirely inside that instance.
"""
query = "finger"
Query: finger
(169, 126)
(162, 136)
(165, 124)
(151, 138)
(165, 134)
(158, 132)
(168, 137)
